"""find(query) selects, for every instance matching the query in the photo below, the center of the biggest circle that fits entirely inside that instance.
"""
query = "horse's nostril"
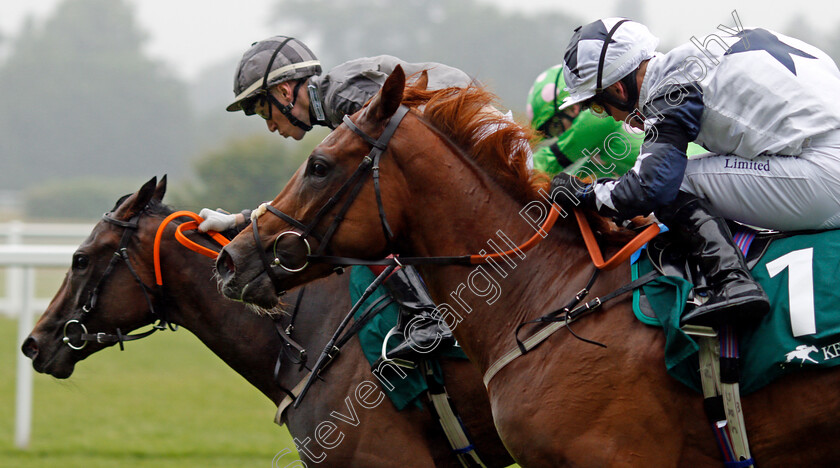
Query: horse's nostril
(224, 264)
(30, 347)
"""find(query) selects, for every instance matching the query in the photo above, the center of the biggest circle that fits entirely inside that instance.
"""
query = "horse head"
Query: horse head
(357, 194)
(100, 299)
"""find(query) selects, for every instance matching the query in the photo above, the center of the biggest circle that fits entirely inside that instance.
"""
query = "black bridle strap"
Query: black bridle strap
(118, 338)
(286, 217)
(285, 334)
(572, 310)
(352, 185)
(121, 254)
(327, 352)
(275, 280)
(351, 197)
(395, 260)
(376, 153)
(129, 226)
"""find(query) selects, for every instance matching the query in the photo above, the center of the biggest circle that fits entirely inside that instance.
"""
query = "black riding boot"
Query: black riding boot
(735, 296)
(417, 321)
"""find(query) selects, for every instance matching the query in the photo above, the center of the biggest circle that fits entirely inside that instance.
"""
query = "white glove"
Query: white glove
(216, 221)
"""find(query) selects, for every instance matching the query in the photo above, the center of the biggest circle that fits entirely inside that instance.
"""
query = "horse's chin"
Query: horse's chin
(56, 367)
(260, 295)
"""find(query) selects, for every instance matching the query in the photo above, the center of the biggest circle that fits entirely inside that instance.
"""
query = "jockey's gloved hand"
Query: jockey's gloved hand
(566, 190)
(216, 220)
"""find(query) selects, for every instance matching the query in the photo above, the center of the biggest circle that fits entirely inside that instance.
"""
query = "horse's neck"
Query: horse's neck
(246, 342)
(482, 217)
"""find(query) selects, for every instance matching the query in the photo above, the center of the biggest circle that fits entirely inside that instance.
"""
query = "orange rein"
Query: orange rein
(180, 237)
(595, 251)
(553, 214)
(588, 237)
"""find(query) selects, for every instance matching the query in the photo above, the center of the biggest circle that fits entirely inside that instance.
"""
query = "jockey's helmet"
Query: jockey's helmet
(267, 63)
(603, 53)
(544, 97)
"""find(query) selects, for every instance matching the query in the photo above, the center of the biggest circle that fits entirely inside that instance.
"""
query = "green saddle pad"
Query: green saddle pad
(801, 331)
(406, 390)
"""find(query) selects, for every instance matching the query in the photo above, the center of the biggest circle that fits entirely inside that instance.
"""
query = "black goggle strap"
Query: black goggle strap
(285, 110)
(599, 86)
(271, 62)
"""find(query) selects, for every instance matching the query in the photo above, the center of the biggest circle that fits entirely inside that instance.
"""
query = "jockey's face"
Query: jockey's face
(275, 120)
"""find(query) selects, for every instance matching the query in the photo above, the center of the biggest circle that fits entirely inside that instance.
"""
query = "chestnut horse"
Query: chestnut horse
(445, 187)
(378, 436)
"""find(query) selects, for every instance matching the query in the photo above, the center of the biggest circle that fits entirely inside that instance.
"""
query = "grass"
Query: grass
(166, 401)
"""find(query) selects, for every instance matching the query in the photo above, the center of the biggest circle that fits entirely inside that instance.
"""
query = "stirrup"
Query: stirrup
(397, 361)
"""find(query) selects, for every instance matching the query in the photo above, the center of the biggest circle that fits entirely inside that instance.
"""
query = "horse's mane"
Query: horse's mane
(497, 144)
(158, 208)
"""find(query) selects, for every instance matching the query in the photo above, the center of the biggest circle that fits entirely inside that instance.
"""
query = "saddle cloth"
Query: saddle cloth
(802, 330)
(408, 389)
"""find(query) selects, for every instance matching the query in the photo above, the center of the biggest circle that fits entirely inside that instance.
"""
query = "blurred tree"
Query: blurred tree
(244, 173)
(505, 51)
(80, 98)
(80, 199)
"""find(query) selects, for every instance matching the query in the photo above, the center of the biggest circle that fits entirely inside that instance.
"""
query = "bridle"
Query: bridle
(350, 189)
(121, 254)
(295, 352)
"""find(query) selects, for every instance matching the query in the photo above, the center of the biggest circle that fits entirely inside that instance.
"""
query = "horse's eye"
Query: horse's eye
(319, 169)
(80, 262)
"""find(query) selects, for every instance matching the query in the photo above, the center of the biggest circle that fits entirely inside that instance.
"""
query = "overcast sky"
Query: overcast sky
(191, 34)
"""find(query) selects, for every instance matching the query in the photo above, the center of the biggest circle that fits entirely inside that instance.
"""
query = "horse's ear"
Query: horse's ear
(160, 190)
(423, 81)
(389, 98)
(139, 200)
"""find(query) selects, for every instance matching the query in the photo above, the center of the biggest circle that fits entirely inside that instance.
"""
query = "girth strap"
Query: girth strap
(559, 319)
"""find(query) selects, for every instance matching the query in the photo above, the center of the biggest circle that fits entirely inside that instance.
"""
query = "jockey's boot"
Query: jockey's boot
(418, 323)
(735, 297)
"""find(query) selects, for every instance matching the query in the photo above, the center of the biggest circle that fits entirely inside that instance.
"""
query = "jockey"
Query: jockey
(280, 80)
(760, 102)
(577, 142)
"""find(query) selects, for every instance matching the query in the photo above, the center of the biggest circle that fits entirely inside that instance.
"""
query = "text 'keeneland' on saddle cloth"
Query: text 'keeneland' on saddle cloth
(799, 274)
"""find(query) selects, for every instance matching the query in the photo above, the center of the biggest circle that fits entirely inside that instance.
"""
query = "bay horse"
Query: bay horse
(378, 436)
(445, 188)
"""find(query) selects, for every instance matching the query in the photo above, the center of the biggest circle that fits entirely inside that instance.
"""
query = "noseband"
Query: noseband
(120, 254)
(351, 188)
